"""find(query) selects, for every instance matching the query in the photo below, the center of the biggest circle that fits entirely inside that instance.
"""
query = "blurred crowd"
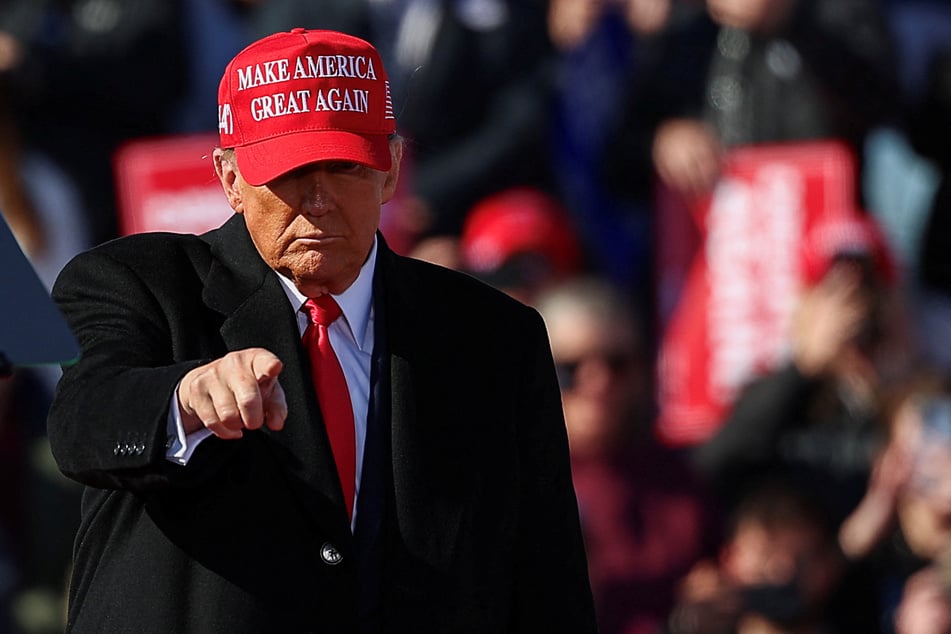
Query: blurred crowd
(539, 135)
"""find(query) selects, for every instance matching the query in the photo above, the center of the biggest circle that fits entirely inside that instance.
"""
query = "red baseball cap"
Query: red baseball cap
(852, 235)
(517, 221)
(302, 96)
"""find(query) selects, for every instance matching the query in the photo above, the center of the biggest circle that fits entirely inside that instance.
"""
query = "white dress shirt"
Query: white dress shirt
(352, 338)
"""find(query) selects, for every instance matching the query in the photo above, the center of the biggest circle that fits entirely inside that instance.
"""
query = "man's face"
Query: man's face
(796, 553)
(315, 225)
(602, 383)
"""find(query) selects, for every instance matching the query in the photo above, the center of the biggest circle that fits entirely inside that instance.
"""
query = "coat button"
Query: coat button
(330, 554)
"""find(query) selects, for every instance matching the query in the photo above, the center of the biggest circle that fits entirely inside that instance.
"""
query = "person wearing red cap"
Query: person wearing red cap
(216, 499)
(813, 419)
(847, 336)
(520, 240)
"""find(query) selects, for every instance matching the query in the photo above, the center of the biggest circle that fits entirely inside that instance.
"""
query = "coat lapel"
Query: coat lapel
(425, 454)
(249, 295)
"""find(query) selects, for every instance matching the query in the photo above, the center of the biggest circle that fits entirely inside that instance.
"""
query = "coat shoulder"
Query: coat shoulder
(151, 249)
(158, 259)
(454, 293)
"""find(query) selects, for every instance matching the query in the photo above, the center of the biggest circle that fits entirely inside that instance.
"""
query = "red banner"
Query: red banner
(726, 300)
(169, 184)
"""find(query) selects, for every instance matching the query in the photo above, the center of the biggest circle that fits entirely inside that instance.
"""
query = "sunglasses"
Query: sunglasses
(617, 363)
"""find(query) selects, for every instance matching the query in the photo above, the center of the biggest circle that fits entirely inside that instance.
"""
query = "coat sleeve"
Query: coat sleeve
(552, 589)
(108, 421)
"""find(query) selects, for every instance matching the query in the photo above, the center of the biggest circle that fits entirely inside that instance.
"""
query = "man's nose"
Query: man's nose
(316, 192)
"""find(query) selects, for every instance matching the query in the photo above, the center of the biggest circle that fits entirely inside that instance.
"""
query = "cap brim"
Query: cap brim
(266, 160)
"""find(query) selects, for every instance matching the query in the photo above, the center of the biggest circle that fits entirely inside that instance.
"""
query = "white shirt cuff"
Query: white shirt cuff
(180, 446)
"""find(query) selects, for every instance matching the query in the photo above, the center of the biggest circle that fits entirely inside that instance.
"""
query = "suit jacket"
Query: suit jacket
(468, 520)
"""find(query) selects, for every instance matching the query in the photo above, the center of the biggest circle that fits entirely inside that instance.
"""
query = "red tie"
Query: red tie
(332, 393)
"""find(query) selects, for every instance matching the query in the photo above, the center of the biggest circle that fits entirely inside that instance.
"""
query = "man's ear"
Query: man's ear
(226, 167)
(393, 176)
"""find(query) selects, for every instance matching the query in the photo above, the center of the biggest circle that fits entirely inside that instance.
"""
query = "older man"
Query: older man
(283, 426)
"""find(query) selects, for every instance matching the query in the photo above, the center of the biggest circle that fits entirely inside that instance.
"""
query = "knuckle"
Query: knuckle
(229, 417)
(245, 397)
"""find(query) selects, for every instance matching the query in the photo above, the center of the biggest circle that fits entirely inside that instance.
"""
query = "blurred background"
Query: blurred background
(734, 216)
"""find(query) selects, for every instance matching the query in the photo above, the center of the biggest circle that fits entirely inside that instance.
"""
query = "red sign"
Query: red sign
(169, 184)
(725, 306)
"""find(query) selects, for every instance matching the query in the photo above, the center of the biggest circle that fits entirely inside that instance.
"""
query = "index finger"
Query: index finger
(248, 386)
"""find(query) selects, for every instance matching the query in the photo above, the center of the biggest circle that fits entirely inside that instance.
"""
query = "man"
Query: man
(646, 517)
(746, 72)
(214, 500)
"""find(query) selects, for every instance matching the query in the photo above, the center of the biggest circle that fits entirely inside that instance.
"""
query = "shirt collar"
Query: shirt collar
(355, 302)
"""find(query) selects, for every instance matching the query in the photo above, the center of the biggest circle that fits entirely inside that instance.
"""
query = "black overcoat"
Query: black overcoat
(468, 519)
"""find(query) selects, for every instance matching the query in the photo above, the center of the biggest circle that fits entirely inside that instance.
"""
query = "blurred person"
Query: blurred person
(925, 508)
(910, 495)
(923, 511)
(892, 531)
(814, 419)
(443, 251)
(15, 204)
(252, 463)
(602, 357)
(68, 75)
(925, 606)
(778, 571)
(488, 133)
(36, 194)
(750, 72)
(572, 22)
(599, 46)
(815, 415)
(522, 241)
(912, 468)
(869, 525)
(645, 517)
